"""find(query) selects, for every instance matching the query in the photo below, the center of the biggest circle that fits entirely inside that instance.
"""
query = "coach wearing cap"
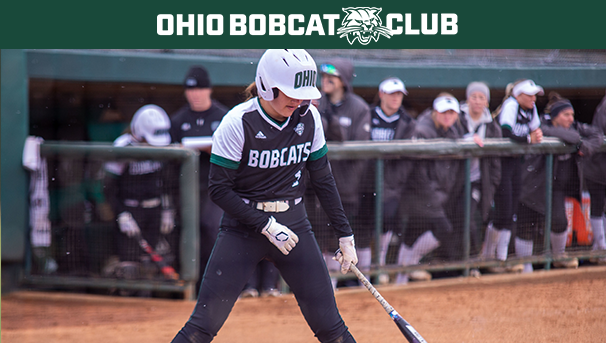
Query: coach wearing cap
(192, 126)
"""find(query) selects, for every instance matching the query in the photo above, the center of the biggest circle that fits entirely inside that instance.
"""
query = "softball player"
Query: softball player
(485, 173)
(567, 182)
(433, 187)
(260, 153)
(139, 191)
(520, 122)
(389, 120)
(594, 171)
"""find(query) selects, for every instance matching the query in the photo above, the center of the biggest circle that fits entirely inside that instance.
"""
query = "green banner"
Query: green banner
(308, 24)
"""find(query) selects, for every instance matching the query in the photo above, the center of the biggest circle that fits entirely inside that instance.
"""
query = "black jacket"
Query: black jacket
(595, 165)
(585, 137)
(349, 121)
(490, 167)
(433, 183)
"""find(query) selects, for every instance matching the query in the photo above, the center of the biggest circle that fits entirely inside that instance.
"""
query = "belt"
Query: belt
(273, 206)
(148, 203)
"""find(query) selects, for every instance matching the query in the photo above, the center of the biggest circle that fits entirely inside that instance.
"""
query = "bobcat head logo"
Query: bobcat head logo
(363, 24)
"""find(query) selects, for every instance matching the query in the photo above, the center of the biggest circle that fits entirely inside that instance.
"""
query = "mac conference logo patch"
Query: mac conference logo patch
(299, 129)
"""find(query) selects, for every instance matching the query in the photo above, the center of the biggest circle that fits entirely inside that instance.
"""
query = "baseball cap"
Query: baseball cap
(197, 77)
(445, 103)
(392, 85)
(527, 87)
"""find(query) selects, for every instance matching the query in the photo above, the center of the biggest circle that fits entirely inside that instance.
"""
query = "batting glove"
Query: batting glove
(128, 225)
(346, 255)
(168, 222)
(280, 236)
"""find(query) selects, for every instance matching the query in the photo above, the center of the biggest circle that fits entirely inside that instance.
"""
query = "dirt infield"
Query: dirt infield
(553, 306)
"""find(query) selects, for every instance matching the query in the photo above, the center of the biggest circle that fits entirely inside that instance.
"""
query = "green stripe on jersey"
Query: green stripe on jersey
(224, 162)
(319, 153)
(506, 126)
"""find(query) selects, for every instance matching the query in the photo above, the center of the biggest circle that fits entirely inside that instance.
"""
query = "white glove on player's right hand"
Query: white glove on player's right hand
(346, 255)
(128, 225)
(168, 222)
(280, 236)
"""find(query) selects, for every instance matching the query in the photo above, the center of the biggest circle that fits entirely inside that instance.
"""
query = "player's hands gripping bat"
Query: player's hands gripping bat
(168, 271)
(409, 332)
(346, 254)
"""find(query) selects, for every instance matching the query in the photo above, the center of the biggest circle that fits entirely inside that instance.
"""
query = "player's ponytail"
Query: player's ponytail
(250, 91)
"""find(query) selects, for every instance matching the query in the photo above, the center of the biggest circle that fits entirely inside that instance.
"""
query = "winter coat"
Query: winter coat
(395, 171)
(490, 167)
(595, 165)
(585, 137)
(433, 183)
(347, 121)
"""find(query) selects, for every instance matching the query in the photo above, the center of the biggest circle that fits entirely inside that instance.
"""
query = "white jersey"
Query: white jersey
(519, 121)
(269, 156)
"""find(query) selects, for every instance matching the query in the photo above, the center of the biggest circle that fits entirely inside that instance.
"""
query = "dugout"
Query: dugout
(62, 94)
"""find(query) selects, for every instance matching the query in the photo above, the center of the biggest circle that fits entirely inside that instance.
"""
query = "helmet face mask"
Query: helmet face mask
(292, 71)
(151, 123)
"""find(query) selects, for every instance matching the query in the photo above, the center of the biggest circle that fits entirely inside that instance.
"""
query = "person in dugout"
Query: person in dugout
(558, 121)
(140, 191)
(192, 126)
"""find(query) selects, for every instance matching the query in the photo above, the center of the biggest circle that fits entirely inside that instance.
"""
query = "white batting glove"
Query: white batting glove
(168, 222)
(128, 225)
(280, 236)
(346, 255)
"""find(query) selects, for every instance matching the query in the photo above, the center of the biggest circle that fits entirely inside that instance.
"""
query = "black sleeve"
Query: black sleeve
(332, 129)
(592, 139)
(566, 135)
(508, 134)
(221, 191)
(323, 183)
(111, 188)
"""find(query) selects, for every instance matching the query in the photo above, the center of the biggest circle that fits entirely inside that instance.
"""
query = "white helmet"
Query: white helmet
(152, 123)
(293, 71)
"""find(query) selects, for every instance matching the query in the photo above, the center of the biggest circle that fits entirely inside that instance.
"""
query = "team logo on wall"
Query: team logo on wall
(362, 24)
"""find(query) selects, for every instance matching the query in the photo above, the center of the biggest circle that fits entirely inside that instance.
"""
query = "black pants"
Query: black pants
(234, 258)
(441, 227)
(148, 220)
(210, 220)
(264, 277)
(456, 215)
(532, 223)
(507, 195)
(597, 192)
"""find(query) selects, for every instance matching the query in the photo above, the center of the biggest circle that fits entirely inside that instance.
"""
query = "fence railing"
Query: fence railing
(455, 149)
(189, 210)
(378, 151)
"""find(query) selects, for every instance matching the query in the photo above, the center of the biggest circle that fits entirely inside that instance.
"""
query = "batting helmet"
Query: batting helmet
(152, 123)
(293, 71)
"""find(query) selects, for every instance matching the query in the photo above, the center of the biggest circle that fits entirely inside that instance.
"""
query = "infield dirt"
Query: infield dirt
(546, 306)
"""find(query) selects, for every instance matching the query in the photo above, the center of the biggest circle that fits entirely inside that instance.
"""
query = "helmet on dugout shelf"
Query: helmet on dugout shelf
(152, 123)
(293, 71)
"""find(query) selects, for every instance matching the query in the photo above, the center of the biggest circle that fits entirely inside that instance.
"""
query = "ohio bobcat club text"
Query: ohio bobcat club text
(297, 24)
